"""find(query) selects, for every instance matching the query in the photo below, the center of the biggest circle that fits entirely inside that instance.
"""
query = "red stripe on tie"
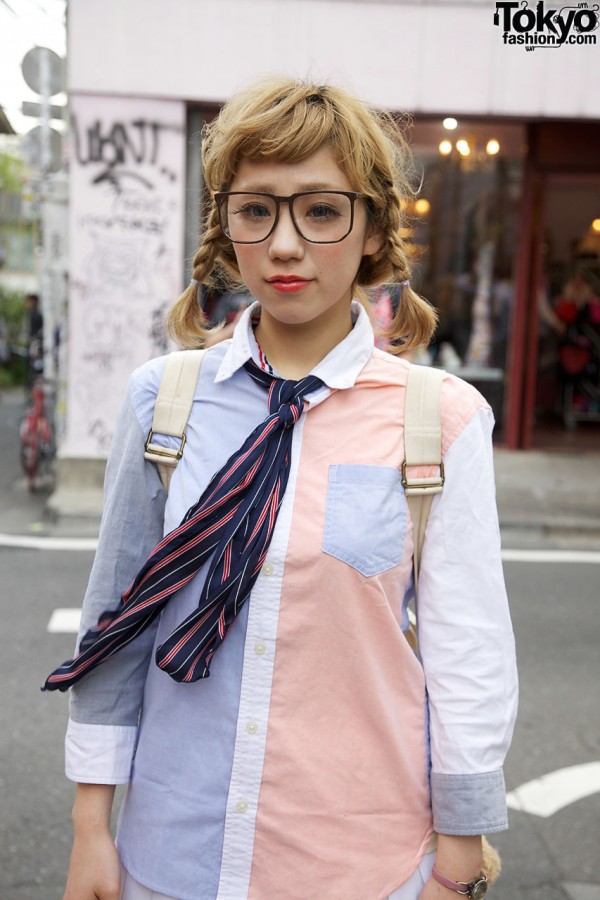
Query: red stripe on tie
(182, 641)
(226, 562)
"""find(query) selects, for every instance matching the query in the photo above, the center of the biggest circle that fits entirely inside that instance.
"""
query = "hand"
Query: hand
(95, 869)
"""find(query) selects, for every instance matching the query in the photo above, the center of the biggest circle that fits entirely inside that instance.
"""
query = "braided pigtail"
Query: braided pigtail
(415, 320)
(186, 321)
(388, 188)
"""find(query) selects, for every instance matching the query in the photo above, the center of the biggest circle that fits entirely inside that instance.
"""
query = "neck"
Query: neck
(294, 350)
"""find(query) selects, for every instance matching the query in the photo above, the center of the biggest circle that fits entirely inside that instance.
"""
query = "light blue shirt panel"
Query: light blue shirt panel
(182, 766)
(132, 524)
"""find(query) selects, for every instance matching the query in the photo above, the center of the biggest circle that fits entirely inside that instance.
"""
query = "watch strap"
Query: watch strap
(461, 887)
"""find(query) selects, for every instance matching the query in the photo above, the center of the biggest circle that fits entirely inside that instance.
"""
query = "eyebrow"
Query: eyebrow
(311, 186)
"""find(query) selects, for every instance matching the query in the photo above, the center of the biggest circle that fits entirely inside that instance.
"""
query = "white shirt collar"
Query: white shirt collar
(339, 369)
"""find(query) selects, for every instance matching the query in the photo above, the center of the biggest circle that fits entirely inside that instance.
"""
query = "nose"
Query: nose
(285, 242)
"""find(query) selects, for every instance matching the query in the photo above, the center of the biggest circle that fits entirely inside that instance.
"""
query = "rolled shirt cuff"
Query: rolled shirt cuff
(469, 804)
(99, 754)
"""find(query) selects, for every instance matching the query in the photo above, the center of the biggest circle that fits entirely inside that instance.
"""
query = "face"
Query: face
(325, 273)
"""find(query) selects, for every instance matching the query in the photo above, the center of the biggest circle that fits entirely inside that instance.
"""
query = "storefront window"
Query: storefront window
(463, 226)
(568, 376)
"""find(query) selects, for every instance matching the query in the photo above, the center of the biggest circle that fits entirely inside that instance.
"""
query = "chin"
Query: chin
(291, 318)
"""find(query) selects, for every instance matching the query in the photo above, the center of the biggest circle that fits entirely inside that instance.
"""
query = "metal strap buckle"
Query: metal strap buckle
(165, 453)
(431, 485)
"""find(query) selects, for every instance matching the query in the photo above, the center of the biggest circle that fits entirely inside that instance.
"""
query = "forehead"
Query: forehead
(319, 171)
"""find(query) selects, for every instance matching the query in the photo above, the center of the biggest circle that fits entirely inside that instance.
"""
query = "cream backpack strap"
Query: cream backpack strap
(422, 447)
(172, 410)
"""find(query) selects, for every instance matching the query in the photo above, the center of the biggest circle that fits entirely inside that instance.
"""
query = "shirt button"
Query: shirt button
(251, 727)
(242, 806)
(267, 569)
(260, 649)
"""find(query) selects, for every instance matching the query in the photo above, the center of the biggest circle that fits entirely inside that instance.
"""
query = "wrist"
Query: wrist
(459, 857)
(458, 865)
(474, 887)
(85, 828)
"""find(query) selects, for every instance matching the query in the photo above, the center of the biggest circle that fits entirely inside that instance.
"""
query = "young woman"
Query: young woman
(322, 759)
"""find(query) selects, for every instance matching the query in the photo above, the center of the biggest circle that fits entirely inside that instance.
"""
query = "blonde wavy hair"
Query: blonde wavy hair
(288, 120)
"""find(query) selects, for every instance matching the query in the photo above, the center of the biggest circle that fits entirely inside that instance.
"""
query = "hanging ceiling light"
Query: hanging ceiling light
(463, 147)
(422, 206)
(445, 148)
(450, 123)
(492, 147)
(596, 226)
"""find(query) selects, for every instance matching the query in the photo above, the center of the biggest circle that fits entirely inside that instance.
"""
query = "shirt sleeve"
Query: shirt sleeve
(105, 705)
(466, 641)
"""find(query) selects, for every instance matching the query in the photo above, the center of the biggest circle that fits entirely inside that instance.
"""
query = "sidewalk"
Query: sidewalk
(547, 496)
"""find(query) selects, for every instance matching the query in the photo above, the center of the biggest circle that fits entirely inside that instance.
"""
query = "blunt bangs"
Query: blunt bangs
(287, 121)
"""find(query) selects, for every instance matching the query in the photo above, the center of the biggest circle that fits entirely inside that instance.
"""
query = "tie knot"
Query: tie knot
(284, 400)
(284, 391)
(289, 413)
(285, 397)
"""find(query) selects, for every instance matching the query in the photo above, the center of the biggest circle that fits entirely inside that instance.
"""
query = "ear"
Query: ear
(373, 243)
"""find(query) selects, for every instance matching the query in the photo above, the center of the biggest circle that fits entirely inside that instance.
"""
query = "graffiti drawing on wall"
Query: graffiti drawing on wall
(126, 249)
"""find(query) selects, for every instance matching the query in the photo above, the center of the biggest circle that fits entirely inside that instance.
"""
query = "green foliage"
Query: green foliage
(12, 330)
(12, 173)
(13, 373)
(12, 313)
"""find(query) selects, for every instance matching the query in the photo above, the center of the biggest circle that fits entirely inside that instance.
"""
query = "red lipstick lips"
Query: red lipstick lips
(288, 283)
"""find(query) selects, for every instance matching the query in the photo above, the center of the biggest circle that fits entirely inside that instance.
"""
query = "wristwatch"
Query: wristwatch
(474, 889)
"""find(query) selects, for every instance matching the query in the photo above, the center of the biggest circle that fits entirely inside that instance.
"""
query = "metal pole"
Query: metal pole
(46, 262)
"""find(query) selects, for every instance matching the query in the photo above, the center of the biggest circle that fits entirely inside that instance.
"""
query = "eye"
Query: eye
(253, 211)
(322, 211)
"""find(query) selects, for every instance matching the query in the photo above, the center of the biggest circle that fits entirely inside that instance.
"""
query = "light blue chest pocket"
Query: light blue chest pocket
(365, 519)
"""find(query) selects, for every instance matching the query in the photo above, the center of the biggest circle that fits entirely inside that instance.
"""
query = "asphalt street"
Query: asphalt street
(555, 607)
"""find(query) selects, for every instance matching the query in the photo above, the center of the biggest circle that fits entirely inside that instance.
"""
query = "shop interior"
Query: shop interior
(464, 227)
(567, 403)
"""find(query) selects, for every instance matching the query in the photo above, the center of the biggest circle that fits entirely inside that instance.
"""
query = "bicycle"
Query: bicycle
(37, 439)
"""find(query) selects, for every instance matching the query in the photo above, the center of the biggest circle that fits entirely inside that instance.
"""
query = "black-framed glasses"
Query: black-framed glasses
(320, 217)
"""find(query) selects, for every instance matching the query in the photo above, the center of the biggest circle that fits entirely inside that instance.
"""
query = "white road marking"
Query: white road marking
(552, 556)
(64, 621)
(546, 795)
(31, 542)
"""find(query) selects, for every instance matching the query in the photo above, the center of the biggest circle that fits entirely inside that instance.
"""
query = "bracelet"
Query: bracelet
(474, 889)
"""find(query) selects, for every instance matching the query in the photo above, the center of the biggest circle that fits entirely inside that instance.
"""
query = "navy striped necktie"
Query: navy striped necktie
(233, 522)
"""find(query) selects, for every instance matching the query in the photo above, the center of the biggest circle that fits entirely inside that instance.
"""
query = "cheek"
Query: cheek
(345, 262)
(337, 259)
(246, 259)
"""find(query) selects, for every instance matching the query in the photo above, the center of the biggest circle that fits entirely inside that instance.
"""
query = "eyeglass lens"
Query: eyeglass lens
(319, 217)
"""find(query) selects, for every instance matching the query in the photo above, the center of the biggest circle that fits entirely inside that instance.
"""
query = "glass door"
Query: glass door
(567, 397)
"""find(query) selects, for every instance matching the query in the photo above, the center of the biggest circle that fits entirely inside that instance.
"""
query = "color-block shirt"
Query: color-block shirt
(321, 753)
